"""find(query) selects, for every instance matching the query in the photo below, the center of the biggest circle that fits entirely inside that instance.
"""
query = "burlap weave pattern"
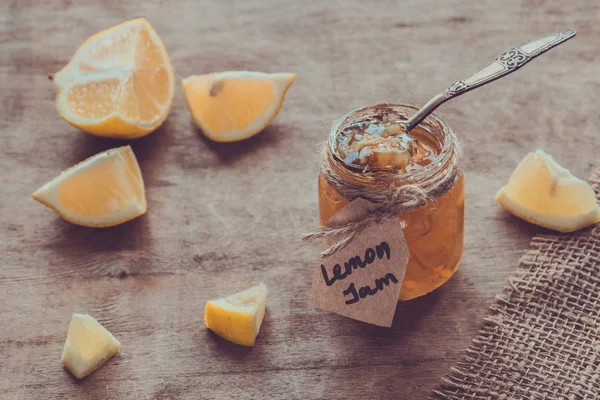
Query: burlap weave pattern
(541, 338)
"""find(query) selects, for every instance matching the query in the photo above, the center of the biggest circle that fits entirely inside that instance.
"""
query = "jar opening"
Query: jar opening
(371, 139)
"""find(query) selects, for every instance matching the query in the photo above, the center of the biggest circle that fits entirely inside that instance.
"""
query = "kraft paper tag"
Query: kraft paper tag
(362, 281)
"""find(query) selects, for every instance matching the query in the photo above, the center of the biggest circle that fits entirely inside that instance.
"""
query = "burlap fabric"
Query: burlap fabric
(541, 338)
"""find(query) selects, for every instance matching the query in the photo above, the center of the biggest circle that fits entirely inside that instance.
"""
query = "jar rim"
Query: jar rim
(433, 125)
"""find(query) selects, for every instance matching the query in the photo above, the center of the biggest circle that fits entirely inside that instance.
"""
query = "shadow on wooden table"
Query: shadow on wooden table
(525, 230)
(223, 348)
(149, 150)
(233, 151)
(107, 374)
(408, 315)
(135, 234)
(233, 352)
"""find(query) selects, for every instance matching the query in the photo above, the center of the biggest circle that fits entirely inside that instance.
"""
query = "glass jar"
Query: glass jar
(433, 231)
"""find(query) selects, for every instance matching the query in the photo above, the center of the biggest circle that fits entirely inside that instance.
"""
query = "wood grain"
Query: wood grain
(224, 216)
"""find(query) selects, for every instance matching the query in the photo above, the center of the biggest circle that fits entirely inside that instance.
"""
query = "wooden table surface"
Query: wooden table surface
(224, 216)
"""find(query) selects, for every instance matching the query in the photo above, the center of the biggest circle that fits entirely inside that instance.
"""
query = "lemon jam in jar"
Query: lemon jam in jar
(369, 143)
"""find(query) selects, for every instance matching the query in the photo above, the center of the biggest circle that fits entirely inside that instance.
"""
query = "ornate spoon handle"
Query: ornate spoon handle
(502, 65)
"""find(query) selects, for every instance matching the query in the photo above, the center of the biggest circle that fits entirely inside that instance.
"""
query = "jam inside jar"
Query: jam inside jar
(370, 140)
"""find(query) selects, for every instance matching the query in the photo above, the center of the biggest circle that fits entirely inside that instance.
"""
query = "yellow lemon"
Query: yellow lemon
(235, 105)
(237, 318)
(104, 190)
(119, 83)
(88, 346)
(544, 193)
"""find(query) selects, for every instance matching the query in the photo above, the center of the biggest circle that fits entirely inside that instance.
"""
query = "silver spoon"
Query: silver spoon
(502, 65)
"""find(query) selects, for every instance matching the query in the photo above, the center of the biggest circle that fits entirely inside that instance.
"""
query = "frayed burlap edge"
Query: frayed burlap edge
(541, 337)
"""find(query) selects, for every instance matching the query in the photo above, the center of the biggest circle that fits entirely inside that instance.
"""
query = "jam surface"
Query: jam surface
(378, 144)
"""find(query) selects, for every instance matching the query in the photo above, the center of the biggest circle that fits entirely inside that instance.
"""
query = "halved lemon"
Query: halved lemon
(104, 190)
(544, 193)
(119, 83)
(235, 105)
(237, 318)
(88, 346)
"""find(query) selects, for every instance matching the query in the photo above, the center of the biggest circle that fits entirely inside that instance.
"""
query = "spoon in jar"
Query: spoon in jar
(502, 65)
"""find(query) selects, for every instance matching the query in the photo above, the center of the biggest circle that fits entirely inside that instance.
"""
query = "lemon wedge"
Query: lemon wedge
(235, 105)
(237, 318)
(88, 346)
(105, 190)
(119, 84)
(544, 193)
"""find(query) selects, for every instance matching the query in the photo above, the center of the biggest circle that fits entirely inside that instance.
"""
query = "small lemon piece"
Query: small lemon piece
(544, 193)
(237, 318)
(88, 346)
(235, 105)
(119, 84)
(105, 190)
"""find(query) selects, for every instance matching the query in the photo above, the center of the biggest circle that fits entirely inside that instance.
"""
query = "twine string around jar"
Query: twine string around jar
(389, 200)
